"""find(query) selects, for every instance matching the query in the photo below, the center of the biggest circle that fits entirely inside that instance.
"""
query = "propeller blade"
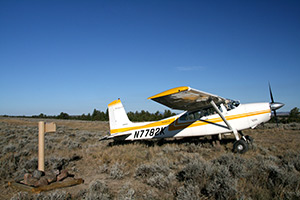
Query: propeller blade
(274, 105)
(271, 95)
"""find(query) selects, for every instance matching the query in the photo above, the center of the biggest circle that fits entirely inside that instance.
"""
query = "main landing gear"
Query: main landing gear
(241, 146)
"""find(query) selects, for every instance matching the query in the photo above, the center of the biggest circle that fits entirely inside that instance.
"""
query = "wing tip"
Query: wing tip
(170, 91)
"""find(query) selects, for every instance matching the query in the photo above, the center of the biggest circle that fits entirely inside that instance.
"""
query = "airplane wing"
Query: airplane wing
(186, 98)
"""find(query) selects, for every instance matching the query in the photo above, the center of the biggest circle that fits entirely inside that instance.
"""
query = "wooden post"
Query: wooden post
(43, 128)
(41, 157)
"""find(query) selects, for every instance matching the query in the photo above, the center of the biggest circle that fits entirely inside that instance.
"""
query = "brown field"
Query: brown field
(171, 169)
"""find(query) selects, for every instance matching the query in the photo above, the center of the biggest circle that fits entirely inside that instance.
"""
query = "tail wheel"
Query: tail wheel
(240, 146)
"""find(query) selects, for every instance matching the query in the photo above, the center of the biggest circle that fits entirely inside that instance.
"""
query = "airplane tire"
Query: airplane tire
(240, 146)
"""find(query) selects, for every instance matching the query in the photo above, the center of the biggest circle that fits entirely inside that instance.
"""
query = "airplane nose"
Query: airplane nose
(276, 105)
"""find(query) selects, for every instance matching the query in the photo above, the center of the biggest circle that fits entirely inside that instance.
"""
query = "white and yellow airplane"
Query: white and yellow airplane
(204, 114)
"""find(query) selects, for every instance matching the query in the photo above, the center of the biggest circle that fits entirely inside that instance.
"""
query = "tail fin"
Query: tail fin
(117, 116)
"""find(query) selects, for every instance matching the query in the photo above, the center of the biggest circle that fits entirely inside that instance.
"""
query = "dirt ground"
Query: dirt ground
(195, 168)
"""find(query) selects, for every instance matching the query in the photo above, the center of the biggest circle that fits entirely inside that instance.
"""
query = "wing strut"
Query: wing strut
(224, 119)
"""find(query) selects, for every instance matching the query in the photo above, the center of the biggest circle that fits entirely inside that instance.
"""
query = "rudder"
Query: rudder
(117, 115)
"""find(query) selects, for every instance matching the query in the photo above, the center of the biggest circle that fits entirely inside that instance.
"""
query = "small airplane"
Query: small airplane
(204, 114)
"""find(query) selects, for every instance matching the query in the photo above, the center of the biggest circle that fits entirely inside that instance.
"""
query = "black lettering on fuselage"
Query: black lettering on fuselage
(142, 133)
(149, 132)
(162, 131)
(157, 131)
(152, 132)
(136, 134)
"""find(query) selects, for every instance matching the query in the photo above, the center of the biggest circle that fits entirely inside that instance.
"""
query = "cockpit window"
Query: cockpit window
(232, 104)
(196, 115)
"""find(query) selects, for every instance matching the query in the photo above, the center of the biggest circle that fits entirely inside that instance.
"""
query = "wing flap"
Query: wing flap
(186, 98)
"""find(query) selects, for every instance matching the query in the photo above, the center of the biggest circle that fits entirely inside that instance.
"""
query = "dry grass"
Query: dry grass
(173, 169)
(72, 124)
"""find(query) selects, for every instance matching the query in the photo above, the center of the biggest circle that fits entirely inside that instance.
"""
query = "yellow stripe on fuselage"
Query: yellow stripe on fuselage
(164, 122)
(178, 126)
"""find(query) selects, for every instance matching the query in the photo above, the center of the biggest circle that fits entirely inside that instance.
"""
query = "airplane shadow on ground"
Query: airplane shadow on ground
(205, 141)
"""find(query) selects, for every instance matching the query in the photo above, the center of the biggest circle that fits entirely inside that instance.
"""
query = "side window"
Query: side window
(189, 116)
(208, 111)
(183, 117)
(196, 115)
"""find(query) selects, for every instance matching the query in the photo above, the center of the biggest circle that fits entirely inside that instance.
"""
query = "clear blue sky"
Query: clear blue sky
(74, 56)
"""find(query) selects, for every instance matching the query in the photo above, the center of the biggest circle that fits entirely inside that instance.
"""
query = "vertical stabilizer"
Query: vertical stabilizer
(117, 116)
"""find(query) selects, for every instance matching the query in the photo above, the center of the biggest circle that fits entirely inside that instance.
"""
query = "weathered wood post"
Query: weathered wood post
(41, 157)
(43, 128)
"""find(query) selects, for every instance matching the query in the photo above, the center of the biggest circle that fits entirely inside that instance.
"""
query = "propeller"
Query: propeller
(274, 105)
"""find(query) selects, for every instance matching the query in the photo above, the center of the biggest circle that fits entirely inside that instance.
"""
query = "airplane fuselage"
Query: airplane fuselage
(187, 124)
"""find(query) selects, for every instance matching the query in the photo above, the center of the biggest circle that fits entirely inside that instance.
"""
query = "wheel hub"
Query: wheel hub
(240, 147)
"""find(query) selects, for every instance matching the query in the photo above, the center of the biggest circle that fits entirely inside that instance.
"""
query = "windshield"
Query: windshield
(232, 104)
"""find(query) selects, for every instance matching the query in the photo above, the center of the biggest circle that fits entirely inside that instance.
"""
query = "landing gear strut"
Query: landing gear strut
(241, 146)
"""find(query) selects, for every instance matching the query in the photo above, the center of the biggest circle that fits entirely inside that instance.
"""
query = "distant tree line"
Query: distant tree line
(98, 115)
(293, 116)
(146, 116)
